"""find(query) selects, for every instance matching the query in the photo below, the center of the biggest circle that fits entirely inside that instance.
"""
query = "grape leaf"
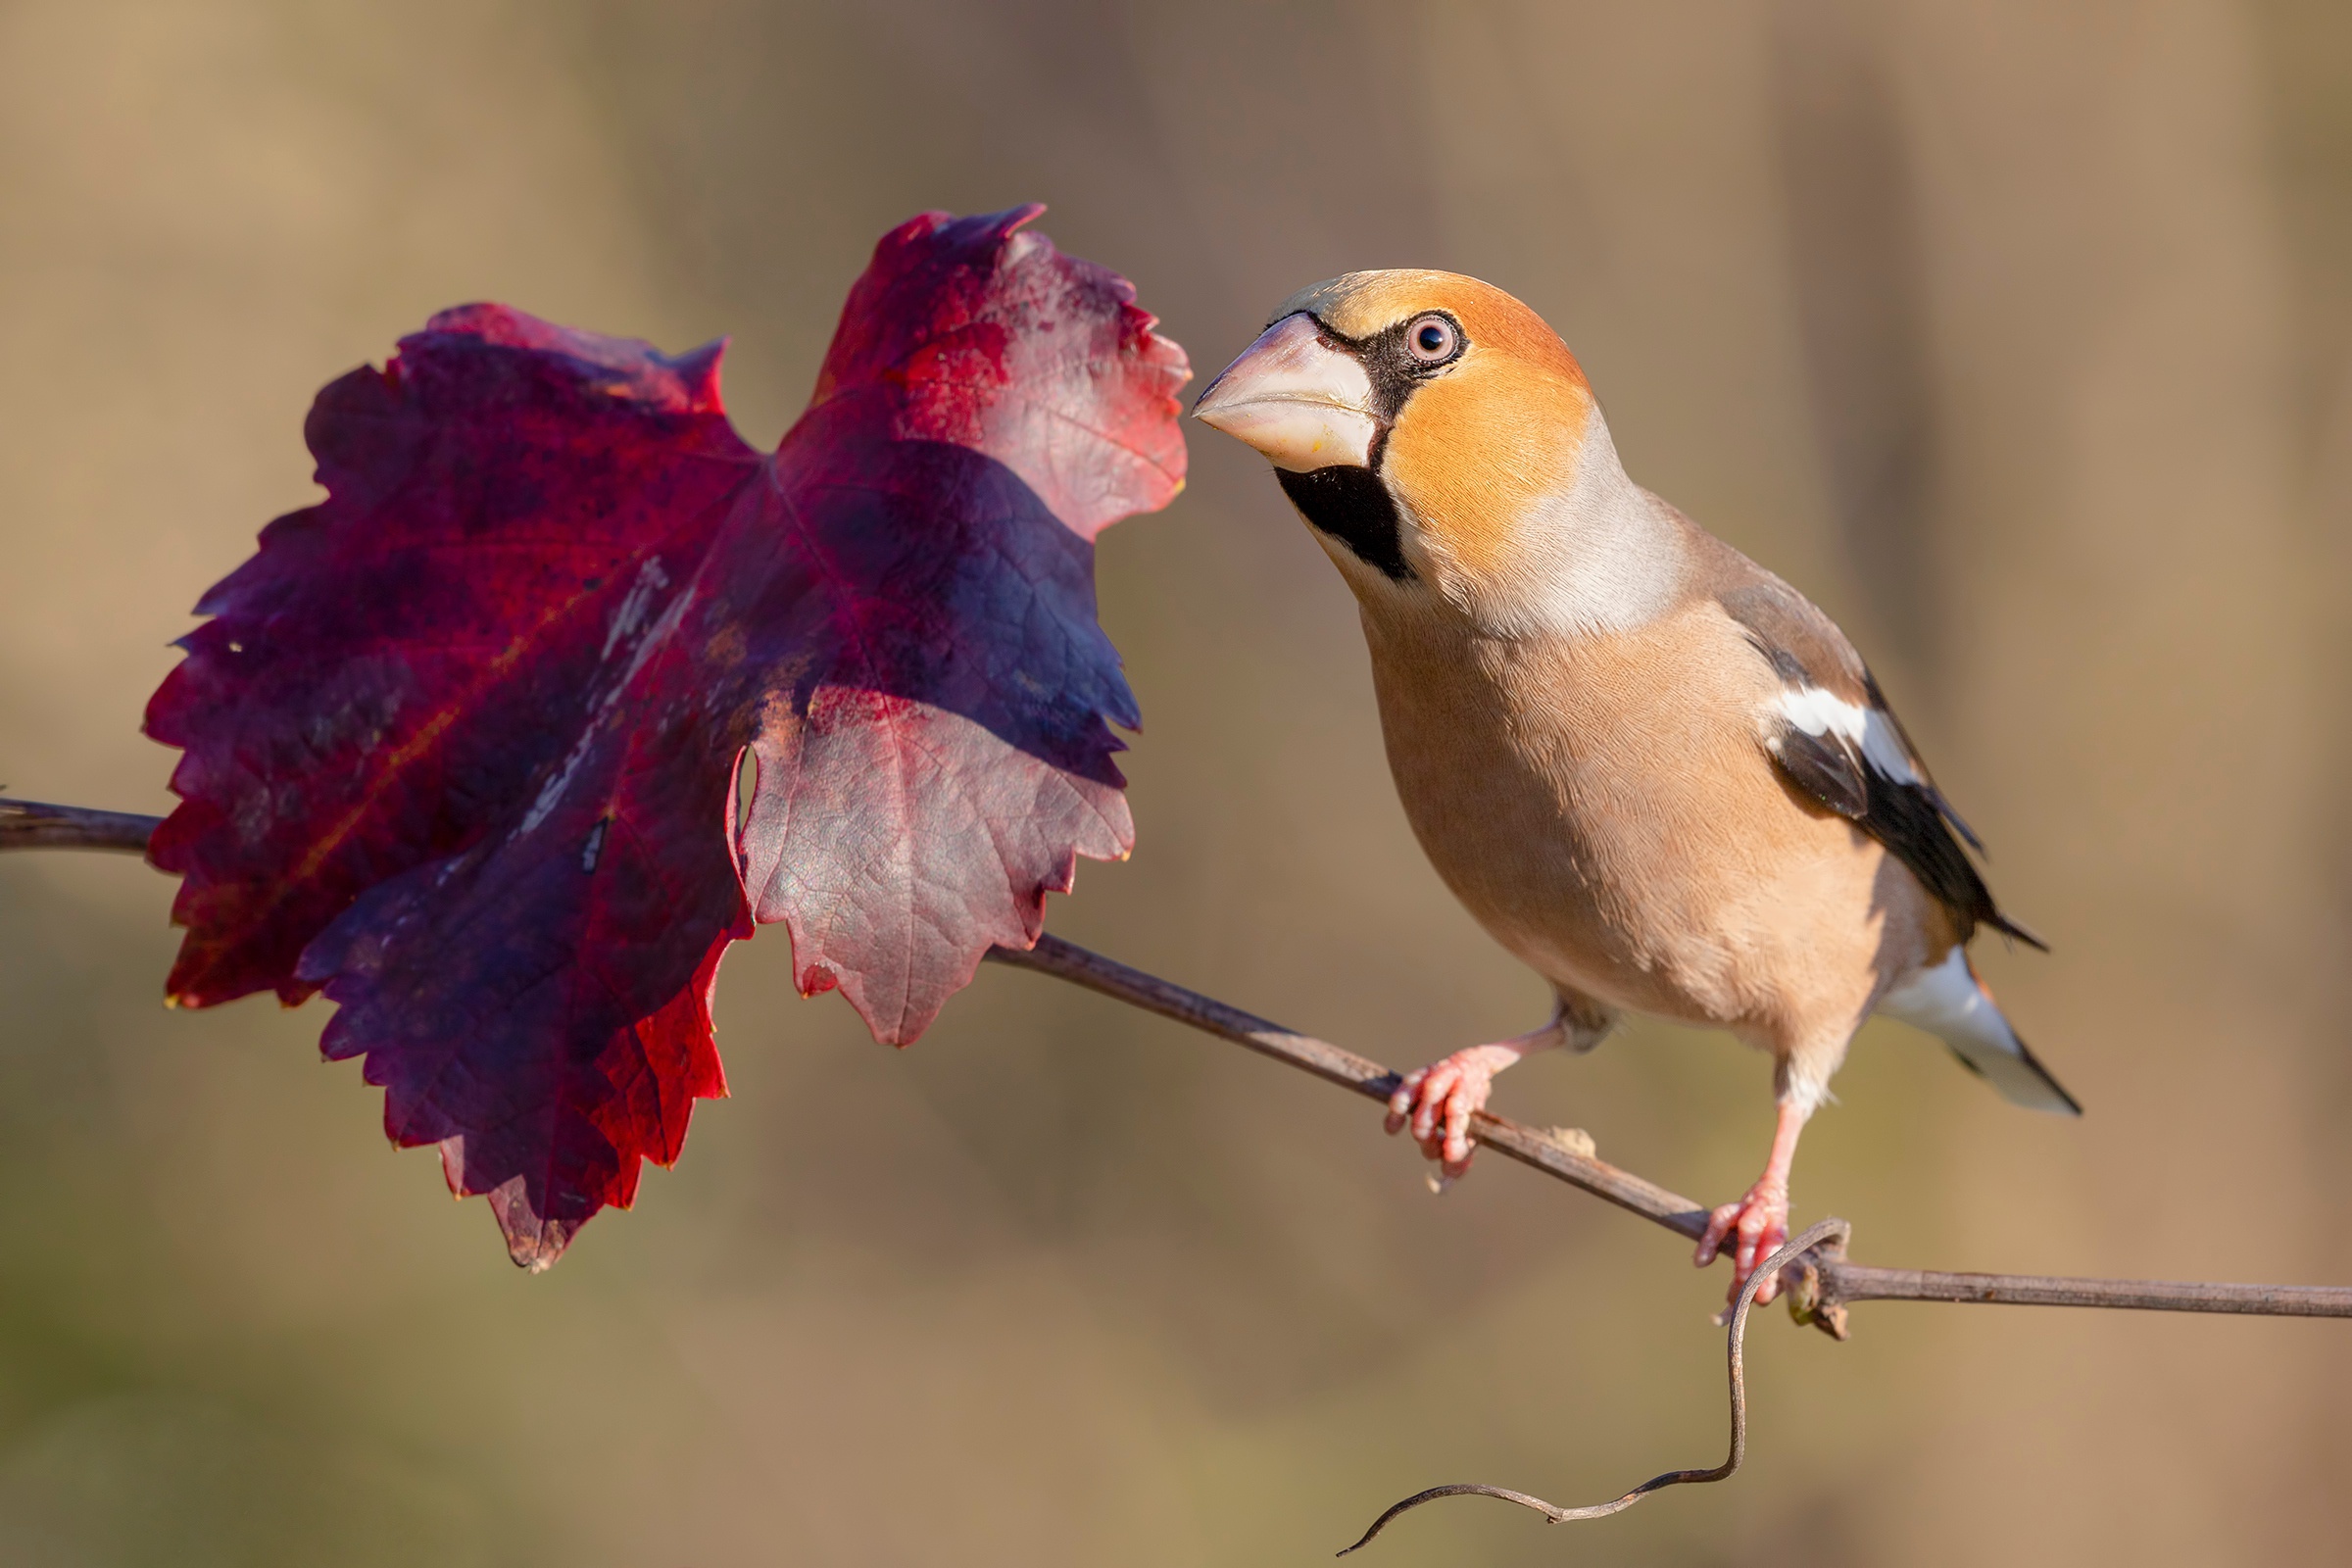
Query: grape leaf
(462, 740)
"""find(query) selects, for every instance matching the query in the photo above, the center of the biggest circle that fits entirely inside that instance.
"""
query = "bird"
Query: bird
(1648, 767)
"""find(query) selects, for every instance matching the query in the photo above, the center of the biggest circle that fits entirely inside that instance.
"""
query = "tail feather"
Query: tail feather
(2021, 1078)
(1950, 1002)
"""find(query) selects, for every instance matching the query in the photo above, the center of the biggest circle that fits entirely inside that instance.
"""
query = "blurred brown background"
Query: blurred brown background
(2020, 335)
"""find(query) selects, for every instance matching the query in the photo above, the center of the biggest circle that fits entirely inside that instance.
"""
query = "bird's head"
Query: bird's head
(1438, 437)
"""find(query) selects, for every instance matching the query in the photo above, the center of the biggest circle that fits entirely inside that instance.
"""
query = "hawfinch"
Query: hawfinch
(1650, 768)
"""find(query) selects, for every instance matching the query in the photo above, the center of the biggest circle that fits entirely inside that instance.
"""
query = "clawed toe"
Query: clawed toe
(1438, 1103)
(1749, 1231)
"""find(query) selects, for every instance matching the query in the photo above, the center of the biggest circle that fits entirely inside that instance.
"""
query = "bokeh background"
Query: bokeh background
(2019, 335)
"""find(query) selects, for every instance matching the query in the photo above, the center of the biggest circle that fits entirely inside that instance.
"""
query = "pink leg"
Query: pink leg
(1758, 1224)
(1438, 1101)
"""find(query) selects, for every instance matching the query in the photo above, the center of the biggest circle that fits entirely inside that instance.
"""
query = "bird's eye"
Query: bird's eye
(1431, 339)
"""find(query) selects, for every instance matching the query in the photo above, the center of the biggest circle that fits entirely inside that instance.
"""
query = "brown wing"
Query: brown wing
(1833, 736)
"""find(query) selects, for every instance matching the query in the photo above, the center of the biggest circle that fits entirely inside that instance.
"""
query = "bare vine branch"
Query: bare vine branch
(1830, 1280)
(31, 826)
(1548, 1151)
(1823, 1281)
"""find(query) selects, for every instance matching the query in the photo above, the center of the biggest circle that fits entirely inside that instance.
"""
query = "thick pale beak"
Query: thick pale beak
(1301, 401)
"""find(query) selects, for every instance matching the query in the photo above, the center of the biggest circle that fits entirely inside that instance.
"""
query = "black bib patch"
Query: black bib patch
(1353, 507)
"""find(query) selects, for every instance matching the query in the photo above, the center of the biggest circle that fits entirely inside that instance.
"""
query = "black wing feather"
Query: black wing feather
(1824, 769)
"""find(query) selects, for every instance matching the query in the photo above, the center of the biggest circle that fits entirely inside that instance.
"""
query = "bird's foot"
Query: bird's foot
(1749, 1231)
(1438, 1101)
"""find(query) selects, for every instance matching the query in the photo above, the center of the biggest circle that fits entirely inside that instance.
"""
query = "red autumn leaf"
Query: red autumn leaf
(462, 740)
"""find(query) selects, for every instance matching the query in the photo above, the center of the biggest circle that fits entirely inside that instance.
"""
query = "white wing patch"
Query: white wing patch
(1883, 747)
(1866, 731)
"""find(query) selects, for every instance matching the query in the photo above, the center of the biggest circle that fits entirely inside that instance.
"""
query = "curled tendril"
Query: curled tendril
(1734, 1336)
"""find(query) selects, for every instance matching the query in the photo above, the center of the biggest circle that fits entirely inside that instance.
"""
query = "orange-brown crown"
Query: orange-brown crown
(1359, 304)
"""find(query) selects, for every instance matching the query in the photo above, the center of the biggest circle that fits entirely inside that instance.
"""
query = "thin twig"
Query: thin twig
(1832, 1231)
(1066, 960)
(31, 826)
(1823, 1281)
(1846, 1282)
(1830, 1281)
